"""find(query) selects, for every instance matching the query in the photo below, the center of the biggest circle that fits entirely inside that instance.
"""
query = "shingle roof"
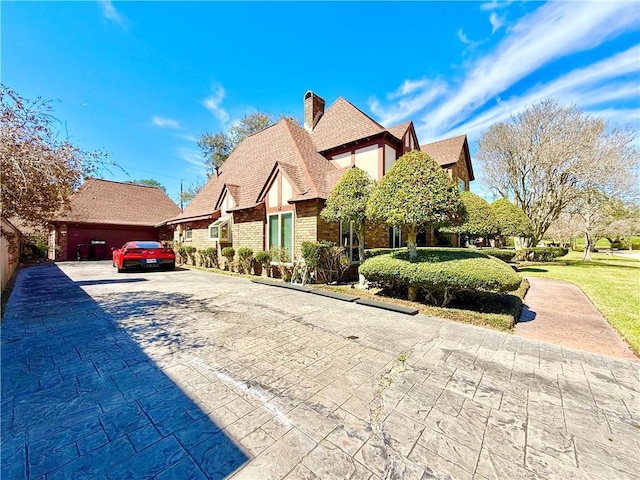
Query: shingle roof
(447, 152)
(116, 203)
(253, 161)
(398, 131)
(343, 123)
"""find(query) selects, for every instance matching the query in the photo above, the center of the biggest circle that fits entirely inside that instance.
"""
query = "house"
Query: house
(103, 214)
(272, 188)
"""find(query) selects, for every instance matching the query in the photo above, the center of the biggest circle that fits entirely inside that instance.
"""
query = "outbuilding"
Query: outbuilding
(103, 214)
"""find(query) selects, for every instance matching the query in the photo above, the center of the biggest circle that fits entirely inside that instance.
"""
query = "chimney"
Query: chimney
(313, 110)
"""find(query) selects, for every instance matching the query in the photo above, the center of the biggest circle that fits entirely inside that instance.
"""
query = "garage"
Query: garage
(104, 214)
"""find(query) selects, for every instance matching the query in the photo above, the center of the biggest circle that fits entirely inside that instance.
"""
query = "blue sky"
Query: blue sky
(142, 80)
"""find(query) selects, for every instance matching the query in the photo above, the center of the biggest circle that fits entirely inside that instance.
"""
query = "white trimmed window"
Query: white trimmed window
(188, 234)
(349, 240)
(220, 230)
(461, 185)
(280, 232)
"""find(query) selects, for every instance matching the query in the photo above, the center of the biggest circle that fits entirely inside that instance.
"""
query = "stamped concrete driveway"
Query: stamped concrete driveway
(186, 374)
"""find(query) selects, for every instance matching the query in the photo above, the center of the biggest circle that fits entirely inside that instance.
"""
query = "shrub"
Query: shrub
(374, 252)
(245, 259)
(326, 261)
(181, 254)
(504, 254)
(441, 273)
(228, 253)
(281, 255)
(208, 257)
(541, 254)
(264, 259)
(190, 253)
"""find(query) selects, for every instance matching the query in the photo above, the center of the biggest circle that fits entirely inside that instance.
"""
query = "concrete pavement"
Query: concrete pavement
(186, 374)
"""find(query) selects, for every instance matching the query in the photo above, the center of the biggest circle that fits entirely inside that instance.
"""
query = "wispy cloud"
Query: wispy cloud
(413, 96)
(496, 21)
(194, 158)
(484, 93)
(464, 39)
(212, 103)
(163, 122)
(609, 80)
(495, 4)
(110, 13)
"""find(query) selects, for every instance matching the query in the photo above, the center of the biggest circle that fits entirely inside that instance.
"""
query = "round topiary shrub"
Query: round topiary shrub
(228, 253)
(245, 258)
(441, 273)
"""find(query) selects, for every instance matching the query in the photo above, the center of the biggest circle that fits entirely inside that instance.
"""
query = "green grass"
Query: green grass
(612, 283)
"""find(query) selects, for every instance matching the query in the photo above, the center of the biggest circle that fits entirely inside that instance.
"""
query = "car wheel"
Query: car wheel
(171, 266)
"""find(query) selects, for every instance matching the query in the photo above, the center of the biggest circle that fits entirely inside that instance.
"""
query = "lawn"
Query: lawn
(612, 283)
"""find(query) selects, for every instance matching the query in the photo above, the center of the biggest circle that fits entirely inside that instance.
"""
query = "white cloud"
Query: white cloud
(163, 122)
(212, 103)
(464, 39)
(415, 96)
(110, 13)
(495, 5)
(553, 31)
(496, 22)
(194, 158)
(596, 84)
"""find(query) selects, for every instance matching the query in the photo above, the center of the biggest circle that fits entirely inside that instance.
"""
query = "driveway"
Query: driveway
(187, 374)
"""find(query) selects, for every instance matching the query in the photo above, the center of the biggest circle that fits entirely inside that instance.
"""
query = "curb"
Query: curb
(338, 296)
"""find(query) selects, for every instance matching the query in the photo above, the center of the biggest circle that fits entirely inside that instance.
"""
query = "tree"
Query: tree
(216, 147)
(347, 203)
(512, 221)
(190, 192)
(416, 193)
(609, 177)
(479, 219)
(39, 171)
(541, 158)
(624, 226)
(148, 182)
(564, 230)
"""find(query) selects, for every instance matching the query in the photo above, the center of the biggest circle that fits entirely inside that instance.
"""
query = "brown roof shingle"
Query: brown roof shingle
(252, 162)
(116, 203)
(343, 123)
(398, 131)
(447, 152)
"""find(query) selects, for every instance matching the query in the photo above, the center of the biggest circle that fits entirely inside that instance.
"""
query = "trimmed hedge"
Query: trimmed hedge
(541, 254)
(504, 254)
(441, 273)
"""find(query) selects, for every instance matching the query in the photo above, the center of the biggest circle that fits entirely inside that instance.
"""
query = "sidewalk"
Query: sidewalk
(559, 312)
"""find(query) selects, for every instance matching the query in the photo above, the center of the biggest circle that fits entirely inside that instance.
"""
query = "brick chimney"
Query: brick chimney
(313, 110)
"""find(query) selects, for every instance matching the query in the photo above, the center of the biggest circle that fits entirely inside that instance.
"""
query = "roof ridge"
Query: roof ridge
(310, 182)
(366, 115)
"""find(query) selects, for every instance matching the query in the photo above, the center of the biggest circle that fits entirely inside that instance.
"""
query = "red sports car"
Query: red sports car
(145, 254)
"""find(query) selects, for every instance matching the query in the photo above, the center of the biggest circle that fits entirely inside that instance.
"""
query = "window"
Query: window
(220, 230)
(188, 234)
(395, 237)
(461, 185)
(280, 231)
(349, 240)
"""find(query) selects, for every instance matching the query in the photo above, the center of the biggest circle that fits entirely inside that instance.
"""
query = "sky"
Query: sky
(142, 81)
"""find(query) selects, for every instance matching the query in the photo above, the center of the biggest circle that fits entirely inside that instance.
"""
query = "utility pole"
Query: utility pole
(181, 198)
